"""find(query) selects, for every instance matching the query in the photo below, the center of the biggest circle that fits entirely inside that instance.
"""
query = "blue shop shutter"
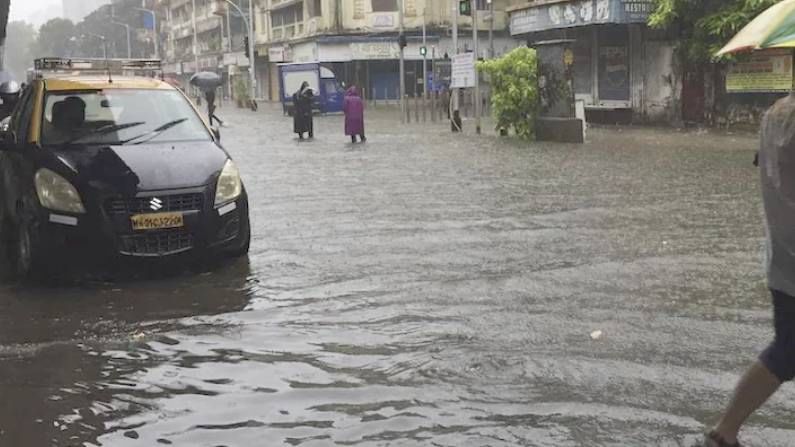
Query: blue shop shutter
(149, 21)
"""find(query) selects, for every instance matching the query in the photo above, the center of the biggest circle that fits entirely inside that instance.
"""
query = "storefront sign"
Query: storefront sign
(276, 54)
(374, 50)
(384, 21)
(579, 13)
(767, 71)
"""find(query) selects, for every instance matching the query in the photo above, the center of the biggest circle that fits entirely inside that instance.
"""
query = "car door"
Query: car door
(15, 163)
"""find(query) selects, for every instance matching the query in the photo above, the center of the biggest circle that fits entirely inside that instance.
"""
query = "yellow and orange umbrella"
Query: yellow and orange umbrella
(774, 28)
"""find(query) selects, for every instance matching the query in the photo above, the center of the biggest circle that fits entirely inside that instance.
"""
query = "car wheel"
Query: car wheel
(245, 243)
(28, 251)
(7, 270)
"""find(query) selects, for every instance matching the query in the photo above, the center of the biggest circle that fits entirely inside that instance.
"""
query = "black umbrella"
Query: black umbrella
(206, 80)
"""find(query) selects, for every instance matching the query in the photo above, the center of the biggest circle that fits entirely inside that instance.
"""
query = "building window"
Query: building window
(385, 5)
(315, 8)
(483, 5)
(287, 22)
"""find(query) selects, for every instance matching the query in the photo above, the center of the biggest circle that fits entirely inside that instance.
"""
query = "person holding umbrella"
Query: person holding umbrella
(774, 28)
(302, 113)
(208, 82)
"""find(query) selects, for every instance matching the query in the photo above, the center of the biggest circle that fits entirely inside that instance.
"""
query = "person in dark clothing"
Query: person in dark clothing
(209, 95)
(302, 115)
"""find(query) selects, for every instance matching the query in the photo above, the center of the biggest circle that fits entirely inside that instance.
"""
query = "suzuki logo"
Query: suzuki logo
(156, 204)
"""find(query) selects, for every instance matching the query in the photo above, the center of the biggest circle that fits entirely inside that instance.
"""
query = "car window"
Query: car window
(23, 112)
(120, 116)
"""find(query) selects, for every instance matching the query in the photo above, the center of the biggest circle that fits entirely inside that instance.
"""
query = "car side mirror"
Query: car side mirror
(217, 134)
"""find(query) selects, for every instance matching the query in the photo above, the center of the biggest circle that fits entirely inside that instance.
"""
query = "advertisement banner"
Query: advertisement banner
(764, 71)
(579, 13)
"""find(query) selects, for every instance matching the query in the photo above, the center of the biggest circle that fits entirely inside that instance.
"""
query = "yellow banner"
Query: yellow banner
(765, 71)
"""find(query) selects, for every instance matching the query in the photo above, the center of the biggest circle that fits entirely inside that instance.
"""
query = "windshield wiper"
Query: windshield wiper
(104, 130)
(148, 136)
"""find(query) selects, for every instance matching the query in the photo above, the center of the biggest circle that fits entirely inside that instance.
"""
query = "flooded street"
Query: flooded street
(424, 289)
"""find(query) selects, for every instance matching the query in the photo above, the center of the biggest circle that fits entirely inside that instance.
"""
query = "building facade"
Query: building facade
(217, 33)
(358, 39)
(621, 67)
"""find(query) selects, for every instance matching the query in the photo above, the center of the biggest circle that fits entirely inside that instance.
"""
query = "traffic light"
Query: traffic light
(423, 51)
(402, 41)
(245, 45)
(465, 7)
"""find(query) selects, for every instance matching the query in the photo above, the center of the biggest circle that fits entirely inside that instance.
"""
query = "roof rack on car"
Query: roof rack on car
(124, 67)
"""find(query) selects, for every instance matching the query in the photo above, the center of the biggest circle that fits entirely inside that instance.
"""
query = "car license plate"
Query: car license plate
(157, 221)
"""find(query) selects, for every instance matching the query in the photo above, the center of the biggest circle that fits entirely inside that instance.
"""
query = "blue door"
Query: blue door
(332, 94)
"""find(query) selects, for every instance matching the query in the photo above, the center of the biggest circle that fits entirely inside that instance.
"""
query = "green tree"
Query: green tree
(19, 49)
(704, 26)
(514, 89)
(55, 38)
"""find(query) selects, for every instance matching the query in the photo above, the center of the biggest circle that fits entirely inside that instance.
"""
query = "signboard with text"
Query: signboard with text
(764, 71)
(374, 50)
(579, 13)
(463, 71)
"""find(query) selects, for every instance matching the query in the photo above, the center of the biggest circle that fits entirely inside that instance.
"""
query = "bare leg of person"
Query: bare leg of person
(754, 389)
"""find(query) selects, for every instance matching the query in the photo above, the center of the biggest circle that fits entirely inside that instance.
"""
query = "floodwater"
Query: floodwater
(423, 289)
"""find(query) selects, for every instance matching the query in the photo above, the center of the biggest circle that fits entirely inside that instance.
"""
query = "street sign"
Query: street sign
(463, 73)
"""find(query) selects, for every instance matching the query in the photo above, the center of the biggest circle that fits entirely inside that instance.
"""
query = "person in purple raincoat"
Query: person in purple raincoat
(353, 106)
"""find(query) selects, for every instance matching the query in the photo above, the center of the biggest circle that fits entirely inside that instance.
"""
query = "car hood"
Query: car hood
(146, 167)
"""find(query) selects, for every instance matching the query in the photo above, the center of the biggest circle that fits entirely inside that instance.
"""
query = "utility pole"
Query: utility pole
(402, 66)
(195, 39)
(129, 41)
(424, 59)
(154, 26)
(455, 50)
(249, 22)
(491, 29)
(252, 42)
(477, 76)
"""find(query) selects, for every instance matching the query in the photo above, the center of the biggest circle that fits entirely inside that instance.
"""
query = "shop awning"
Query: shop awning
(553, 14)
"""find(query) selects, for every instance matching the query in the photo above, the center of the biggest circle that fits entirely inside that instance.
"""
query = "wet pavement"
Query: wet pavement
(423, 290)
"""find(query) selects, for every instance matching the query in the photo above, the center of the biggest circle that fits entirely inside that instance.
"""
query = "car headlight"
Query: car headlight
(229, 185)
(56, 193)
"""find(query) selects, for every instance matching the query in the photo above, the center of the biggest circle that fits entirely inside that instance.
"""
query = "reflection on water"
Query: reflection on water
(67, 352)
(415, 292)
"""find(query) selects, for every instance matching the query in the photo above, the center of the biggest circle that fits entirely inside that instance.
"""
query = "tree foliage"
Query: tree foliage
(704, 26)
(56, 38)
(514, 86)
(19, 49)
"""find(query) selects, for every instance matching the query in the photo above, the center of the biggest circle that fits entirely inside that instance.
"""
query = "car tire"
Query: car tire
(245, 243)
(7, 270)
(28, 254)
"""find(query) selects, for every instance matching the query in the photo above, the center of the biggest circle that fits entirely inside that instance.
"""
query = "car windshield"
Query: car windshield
(120, 116)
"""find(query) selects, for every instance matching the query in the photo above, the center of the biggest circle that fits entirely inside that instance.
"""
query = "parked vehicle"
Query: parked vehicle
(101, 167)
(329, 93)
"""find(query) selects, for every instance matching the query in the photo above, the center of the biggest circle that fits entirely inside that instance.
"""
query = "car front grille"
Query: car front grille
(155, 204)
(157, 243)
